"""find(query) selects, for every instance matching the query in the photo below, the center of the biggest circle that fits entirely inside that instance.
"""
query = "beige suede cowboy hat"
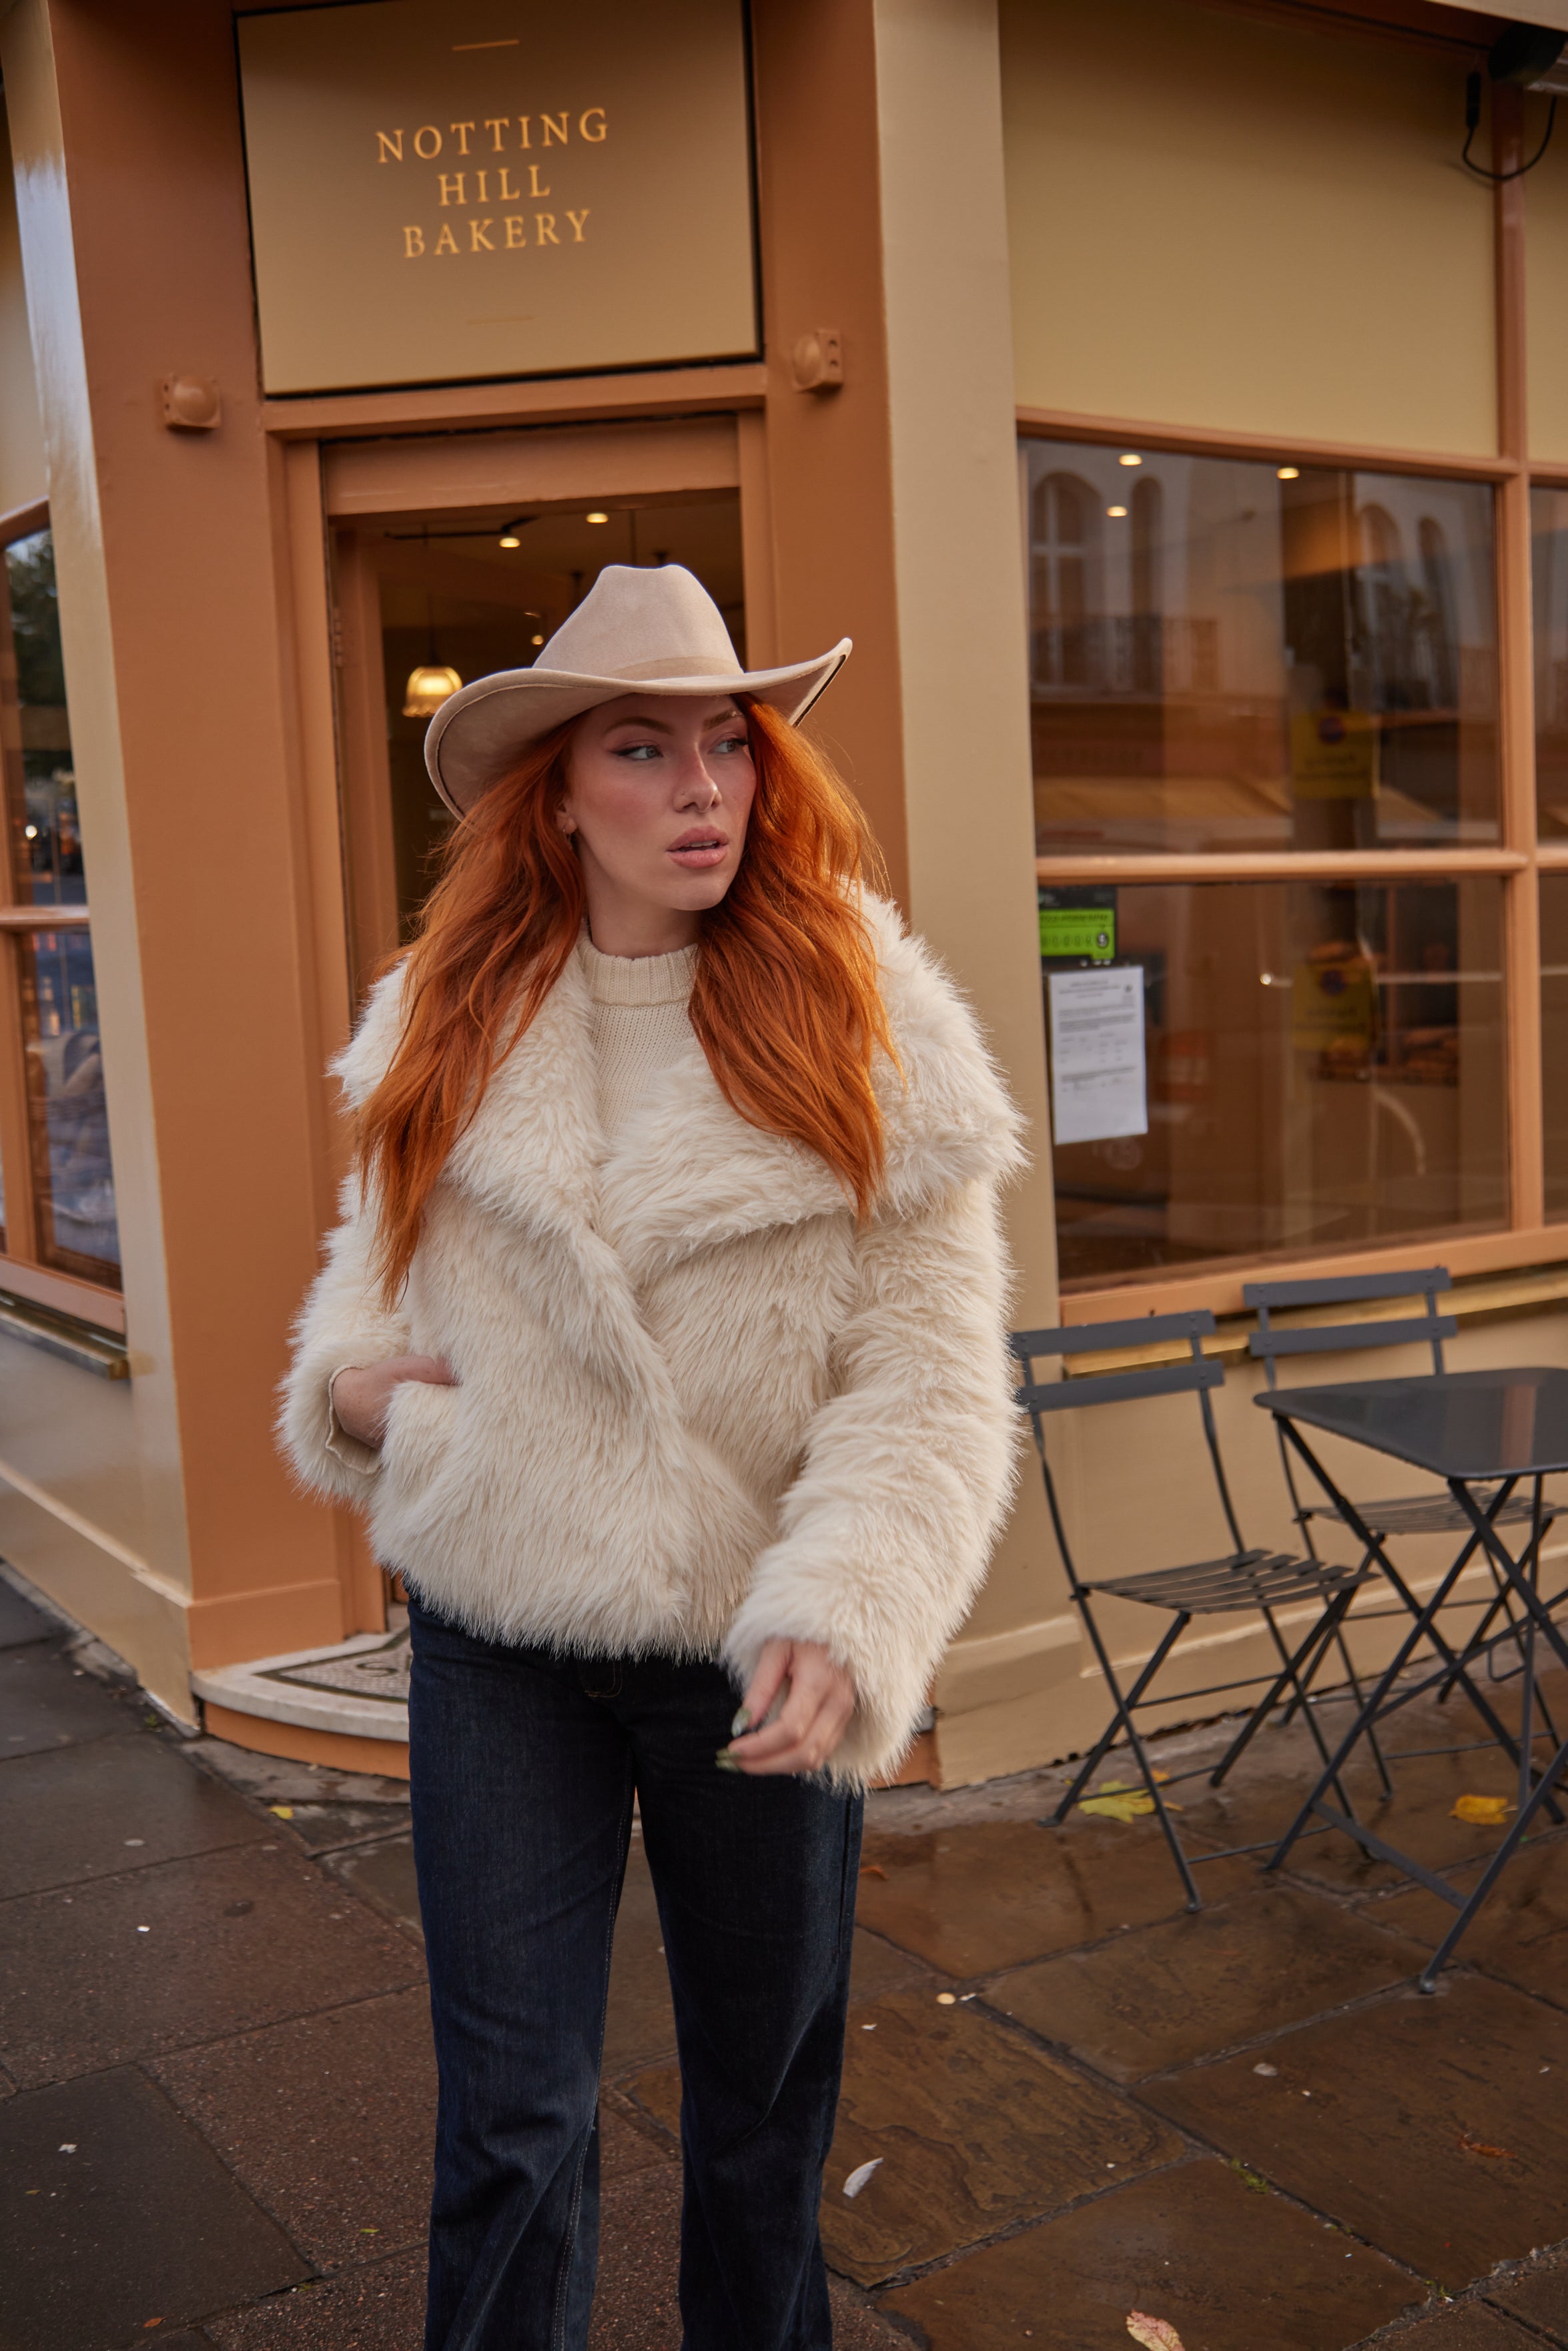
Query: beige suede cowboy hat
(659, 631)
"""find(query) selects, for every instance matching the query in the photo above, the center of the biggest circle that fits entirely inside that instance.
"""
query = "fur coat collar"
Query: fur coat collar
(689, 1172)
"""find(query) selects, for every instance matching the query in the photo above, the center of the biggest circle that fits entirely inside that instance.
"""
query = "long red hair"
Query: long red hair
(784, 1000)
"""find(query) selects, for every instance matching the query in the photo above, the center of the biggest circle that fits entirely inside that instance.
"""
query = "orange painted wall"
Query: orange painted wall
(157, 196)
(828, 452)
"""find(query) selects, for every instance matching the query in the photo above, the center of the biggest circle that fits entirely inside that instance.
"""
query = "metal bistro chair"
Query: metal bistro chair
(1404, 1514)
(1241, 1582)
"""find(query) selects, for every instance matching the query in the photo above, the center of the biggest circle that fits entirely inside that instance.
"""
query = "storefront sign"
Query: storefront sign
(443, 190)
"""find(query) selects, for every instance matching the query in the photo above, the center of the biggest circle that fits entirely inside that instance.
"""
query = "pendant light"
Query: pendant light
(430, 682)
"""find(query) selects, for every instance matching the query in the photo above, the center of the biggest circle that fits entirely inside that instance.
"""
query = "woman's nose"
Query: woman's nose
(698, 787)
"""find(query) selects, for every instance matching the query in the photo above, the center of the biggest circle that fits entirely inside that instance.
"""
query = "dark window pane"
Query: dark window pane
(1548, 572)
(73, 1178)
(1223, 659)
(1555, 1039)
(46, 838)
(1324, 1070)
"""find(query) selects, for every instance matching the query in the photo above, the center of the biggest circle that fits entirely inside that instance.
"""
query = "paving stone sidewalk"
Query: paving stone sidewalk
(216, 2090)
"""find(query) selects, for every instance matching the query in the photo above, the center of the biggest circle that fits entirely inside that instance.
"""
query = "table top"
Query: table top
(1462, 1425)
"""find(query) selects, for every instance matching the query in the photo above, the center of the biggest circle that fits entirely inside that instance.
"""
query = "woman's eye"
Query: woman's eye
(638, 751)
(734, 743)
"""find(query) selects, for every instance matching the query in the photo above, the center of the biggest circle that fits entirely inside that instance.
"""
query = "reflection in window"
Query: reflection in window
(1554, 1039)
(1438, 612)
(1066, 651)
(1549, 576)
(49, 862)
(73, 1177)
(51, 984)
(1324, 1070)
(1227, 660)
(1148, 583)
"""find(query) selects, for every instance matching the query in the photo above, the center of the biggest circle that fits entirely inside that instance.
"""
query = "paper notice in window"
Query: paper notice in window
(1098, 1083)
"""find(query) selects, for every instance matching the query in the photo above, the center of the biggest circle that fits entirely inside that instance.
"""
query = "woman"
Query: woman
(662, 1339)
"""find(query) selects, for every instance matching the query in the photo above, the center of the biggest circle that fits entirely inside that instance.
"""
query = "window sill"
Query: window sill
(63, 1335)
(62, 1295)
(1535, 1288)
(1502, 1255)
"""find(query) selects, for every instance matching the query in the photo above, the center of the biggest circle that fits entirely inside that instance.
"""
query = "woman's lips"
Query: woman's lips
(698, 855)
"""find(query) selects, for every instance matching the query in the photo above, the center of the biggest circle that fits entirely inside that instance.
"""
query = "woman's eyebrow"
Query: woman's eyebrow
(662, 726)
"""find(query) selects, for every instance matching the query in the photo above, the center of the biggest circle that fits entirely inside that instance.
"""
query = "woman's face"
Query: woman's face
(659, 789)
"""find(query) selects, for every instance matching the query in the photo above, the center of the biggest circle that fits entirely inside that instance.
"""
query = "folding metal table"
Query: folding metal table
(1482, 1433)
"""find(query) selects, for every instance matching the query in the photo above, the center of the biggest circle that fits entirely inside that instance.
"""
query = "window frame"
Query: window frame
(1520, 857)
(22, 1273)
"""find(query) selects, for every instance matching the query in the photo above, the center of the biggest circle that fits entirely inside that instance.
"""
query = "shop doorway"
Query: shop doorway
(434, 585)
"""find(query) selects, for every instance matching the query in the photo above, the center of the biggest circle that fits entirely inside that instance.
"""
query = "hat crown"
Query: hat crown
(635, 623)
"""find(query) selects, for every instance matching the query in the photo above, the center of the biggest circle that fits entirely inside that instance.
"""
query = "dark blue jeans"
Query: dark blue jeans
(524, 1766)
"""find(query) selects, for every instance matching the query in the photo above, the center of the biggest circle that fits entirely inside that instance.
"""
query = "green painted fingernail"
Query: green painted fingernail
(742, 1722)
(725, 1761)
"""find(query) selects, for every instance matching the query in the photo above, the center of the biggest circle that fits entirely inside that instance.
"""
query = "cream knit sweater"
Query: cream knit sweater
(640, 1024)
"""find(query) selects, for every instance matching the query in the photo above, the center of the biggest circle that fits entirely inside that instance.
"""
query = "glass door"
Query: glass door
(427, 596)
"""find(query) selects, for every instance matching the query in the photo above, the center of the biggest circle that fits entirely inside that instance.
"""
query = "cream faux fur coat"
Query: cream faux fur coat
(698, 1407)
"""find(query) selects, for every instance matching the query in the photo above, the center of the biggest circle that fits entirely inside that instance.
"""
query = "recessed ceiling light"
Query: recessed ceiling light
(536, 641)
(1128, 457)
(1116, 513)
(596, 517)
(1289, 473)
(511, 539)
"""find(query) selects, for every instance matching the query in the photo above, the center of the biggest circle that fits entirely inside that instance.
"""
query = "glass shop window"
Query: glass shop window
(55, 1162)
(1231, 656)
(1549, 579)
(1555, 1041)
(1248, 1070)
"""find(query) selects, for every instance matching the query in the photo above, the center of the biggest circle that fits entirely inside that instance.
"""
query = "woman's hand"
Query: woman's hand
(812, 1719)
(361, 1394)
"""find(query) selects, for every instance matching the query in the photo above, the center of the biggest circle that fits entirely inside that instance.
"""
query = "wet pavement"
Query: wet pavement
(216, 2086)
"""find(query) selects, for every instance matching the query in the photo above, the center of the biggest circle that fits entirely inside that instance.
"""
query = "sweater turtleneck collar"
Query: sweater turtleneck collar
(637, 979)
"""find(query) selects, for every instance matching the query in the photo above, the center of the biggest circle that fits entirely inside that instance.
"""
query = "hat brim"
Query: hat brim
(478, 734)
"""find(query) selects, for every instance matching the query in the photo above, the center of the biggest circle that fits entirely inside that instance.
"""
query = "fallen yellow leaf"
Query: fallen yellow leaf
(1122, 1799)
(1118, 1804)
(1484, 1811)
(1154, 2334)
(284, 1811)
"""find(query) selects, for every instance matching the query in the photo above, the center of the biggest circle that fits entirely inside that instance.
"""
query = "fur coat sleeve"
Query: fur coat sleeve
(886, 1531)
(344, 1319)
(907, 1470)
